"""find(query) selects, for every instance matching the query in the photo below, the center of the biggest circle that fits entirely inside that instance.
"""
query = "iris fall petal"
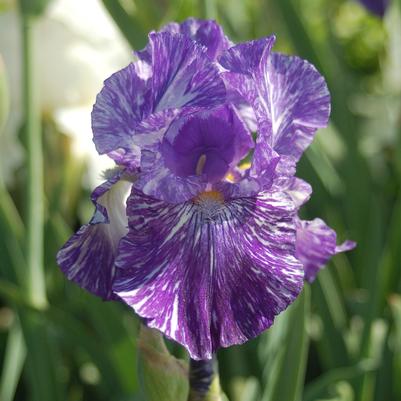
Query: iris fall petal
(88, 256)
(209, 275)
(316, 244)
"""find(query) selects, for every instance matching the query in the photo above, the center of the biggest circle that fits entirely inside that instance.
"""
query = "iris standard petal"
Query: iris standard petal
(196, 150)
(88, 256)
(183, 74)
(316, 244)
(209, 273)
(242, 63)
(298, 102)
(289, 97)
(138, 102)
(156, 179)
(208, 33)
(124, 100)
(245, 57)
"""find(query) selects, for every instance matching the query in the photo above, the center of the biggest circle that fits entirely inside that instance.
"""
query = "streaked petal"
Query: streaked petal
(137, 103)
(347, 245)
(243, 141)
(299, 190)
(183, 74)
(289, 97)
(265, 159)
(120, 105)
(247, 114)
(169, 172)
(297, 102)
(316, 244)
(218, 131)
(206, 32)
(244, 187)
(158, 181)
(127, 158)
(209, 275)
(245, 57)
(88, 256)
(242, 61)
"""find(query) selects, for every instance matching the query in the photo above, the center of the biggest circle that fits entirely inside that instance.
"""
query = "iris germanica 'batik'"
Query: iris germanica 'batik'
(204, 245)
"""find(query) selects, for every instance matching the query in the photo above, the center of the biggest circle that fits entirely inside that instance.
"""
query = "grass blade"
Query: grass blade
(286, 374)
(130, 26)
(319, 388)
(42, 366)
(329, 304)
(13, 363)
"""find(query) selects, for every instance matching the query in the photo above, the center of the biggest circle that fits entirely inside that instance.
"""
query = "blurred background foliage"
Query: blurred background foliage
(341, 341)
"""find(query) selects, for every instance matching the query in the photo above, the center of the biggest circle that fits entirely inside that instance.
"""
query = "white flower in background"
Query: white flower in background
(77, 46)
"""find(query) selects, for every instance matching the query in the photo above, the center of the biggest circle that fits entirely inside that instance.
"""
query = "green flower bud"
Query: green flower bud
(163, 376)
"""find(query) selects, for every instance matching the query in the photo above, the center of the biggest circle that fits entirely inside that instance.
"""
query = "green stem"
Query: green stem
(129, 25)
(35, 281)
(203, 381)
(210, 9)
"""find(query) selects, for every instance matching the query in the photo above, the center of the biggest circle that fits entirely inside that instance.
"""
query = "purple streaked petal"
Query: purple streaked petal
(316, 244)
(129, 159)
(245, 58)
(243, 186)
(137, 103)
(247, 115)
(265, 158)
(158, 181)
(120, 105)
(183, 74)
(296, 100)
(218, 138)
(286, 166)
(87, 258)
(243, 141)
(206, 135)
(218, 135)
(299, 190)
(347, 245)
(209, 275)
(207, 33)
(264, 163)
(149, 132)
(289, 97)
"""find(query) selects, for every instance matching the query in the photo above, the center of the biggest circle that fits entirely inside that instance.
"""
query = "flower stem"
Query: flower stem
(35, 282)
(129, 25)
(203, 381)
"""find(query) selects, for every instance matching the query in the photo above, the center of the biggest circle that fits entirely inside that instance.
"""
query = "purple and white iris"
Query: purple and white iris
(204, 246)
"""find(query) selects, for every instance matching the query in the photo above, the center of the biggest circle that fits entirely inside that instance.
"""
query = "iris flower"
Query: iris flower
(197, 229)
